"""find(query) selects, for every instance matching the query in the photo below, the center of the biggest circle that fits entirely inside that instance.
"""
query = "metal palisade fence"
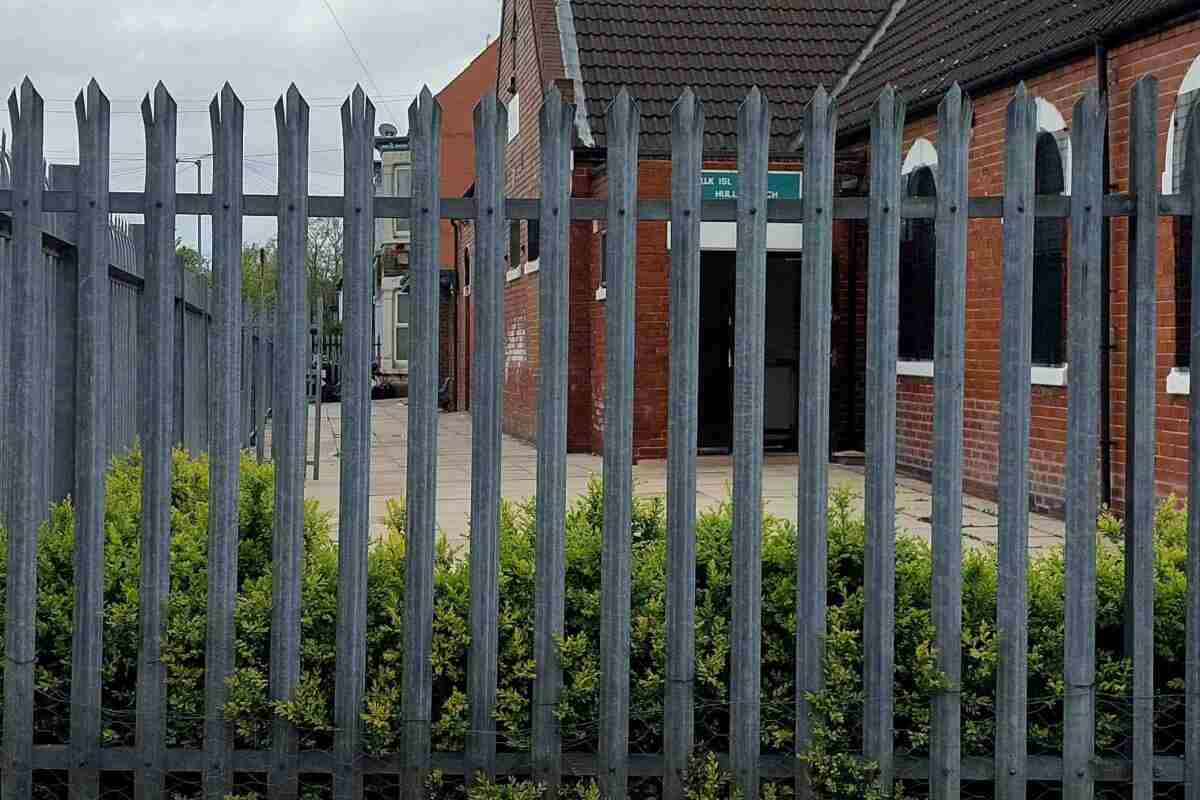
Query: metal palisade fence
(27, 475)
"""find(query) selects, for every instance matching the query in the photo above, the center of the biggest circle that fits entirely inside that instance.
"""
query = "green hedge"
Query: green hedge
(840, 729)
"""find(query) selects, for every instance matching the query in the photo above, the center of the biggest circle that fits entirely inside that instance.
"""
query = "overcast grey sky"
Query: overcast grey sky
(260, 47)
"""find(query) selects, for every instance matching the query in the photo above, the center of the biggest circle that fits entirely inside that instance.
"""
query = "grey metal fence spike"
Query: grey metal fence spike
(816, 312)
(487, 390)
(687, 161)
(1192, 661)
(287, 432)
(1141, 395)
(28, 335)
(91, 436)
(1083, 410)
(158, 350)
(623, 124)
(425, 125)
(557, 131)
(354, 525)
(1016, 342)
(131, 317)
(749, 360)
(227, 116)
(879, 573)
(954, 140)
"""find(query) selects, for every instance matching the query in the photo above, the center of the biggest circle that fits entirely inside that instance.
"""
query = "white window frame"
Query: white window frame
(401, 363)
(1179, 379)
(397, 171)
(1050, 120)
(514, 116)
(921, 153)
(1191, 83)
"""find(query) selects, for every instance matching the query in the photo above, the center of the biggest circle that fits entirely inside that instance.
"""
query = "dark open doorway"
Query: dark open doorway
(717, 289)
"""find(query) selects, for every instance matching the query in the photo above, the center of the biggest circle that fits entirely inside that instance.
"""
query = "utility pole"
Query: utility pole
(198, 191)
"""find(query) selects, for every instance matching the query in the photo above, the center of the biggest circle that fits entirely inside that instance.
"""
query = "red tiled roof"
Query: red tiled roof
(720, 48)
(933, 43)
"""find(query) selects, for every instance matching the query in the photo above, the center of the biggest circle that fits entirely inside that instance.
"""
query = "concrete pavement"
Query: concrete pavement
(714, 477)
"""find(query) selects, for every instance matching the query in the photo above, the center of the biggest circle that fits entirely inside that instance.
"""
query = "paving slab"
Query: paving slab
(714, 478)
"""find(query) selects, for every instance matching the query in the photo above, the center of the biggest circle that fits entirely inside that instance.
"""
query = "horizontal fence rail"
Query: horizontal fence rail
(90, 303)
(586, 209)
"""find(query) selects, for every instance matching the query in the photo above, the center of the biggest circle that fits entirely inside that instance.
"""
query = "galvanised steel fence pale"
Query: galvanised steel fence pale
(123, 331)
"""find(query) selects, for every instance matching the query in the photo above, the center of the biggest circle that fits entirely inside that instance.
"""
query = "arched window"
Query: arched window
(1187, 111)
(1049, 258)
(918, 257)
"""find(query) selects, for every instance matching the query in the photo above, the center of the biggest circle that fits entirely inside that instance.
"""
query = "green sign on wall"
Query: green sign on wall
(721, 185)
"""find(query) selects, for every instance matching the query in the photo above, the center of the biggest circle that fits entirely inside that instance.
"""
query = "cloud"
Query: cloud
(259, 47)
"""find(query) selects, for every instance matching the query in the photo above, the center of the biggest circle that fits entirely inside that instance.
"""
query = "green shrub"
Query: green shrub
(838, 731)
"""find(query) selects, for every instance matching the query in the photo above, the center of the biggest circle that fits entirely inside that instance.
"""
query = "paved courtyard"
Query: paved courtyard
(389, 434)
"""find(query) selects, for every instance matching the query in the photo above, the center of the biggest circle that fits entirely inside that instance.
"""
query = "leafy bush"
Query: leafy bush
(839, 723)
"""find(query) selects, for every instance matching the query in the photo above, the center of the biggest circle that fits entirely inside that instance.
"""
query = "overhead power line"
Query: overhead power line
(361, 63)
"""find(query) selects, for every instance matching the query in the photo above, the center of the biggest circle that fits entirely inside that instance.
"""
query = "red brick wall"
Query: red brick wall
(652, 315)
(1166, 55)
(528, 44)
(458, 101)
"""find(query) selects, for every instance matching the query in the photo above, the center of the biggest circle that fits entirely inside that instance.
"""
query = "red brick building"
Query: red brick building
(590, 48)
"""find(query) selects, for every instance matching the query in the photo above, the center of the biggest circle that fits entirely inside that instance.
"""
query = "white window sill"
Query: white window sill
(531, 267)
(915, 369)
(1039, 376)
(601, 294)
(512, 275)
(1049, 376)
(1179, 381)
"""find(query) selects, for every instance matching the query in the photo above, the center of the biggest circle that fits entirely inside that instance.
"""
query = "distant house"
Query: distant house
(393, 237)
(591, 48)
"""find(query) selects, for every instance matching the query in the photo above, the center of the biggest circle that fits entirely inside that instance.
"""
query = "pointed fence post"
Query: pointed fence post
(354, 524)
(749, 368)
(425, 126)
(954, 137)
(623, 124)
(287, 432)
(1083, 414)
(92, 387)
(816, 312)
(687, 162)
(227, 116)
(158, 348)
(27, 465)
(1016, 343)
(487, 397)
(557, 131)
(879, 571)
(1141, 395)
